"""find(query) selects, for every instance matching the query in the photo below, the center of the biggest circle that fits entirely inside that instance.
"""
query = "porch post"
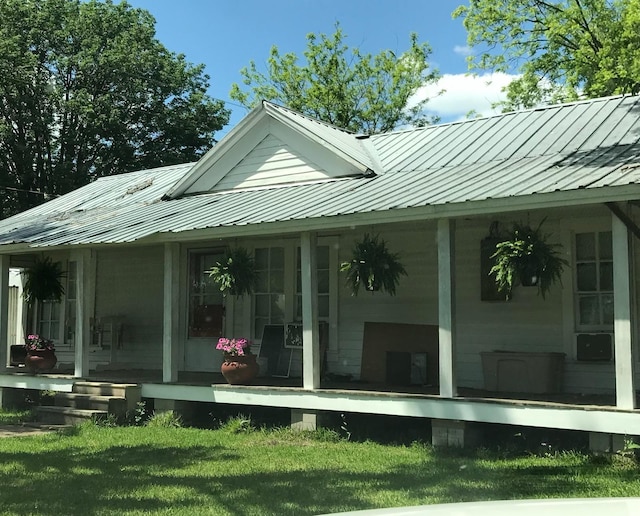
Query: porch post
(310, 337)
(623, 334)
(446, 307)
(85, 298)
(170, 316)
(4, 311)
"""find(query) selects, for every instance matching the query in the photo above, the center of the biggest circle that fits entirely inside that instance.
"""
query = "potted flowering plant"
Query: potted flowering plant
(40, 353)
(234, 347)
(239, 366)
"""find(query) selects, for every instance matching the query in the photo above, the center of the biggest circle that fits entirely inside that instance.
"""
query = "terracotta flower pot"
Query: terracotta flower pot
(239, 370)
(40, 360)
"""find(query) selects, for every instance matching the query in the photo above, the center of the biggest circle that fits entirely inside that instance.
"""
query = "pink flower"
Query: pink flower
(233, 347)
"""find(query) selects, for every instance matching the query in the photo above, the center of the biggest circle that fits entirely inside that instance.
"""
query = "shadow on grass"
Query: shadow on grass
(55, 477)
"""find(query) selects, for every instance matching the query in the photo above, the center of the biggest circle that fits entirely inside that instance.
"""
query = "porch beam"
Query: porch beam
(310, 336)
(4, 311)
(446, 307)
(170, 346)
(623, 334)
(85, 299)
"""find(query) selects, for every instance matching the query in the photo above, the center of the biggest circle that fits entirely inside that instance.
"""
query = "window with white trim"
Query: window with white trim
(278, 296)
(206, 304)
(269, 296)
(594, 281)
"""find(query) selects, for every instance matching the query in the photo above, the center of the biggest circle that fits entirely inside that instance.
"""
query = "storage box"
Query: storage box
(534, 372)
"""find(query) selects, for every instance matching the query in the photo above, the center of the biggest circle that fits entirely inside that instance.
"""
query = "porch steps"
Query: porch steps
(90, 401)
(68, 416)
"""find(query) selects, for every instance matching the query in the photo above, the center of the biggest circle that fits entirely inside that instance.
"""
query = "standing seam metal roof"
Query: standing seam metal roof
(585, 145)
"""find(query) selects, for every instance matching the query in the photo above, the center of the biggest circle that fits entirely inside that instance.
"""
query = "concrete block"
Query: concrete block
(305, 419)
(445, 432)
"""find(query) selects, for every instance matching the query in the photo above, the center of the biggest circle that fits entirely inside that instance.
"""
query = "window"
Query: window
(206, 308)
(278, 295)
(322, 264)
(594, 281)
(269, 296)
(49, 319)
(70, 303)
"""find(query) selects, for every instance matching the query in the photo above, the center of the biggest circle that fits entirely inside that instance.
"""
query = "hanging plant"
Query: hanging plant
(236, 273)
(43, 281)
(525, 256)
(373, 267)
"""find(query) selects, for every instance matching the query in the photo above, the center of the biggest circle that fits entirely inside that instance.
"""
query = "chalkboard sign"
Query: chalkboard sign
(293, 335)
(271, 347)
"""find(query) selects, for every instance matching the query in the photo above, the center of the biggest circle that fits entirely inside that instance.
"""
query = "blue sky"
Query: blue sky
(226, 34)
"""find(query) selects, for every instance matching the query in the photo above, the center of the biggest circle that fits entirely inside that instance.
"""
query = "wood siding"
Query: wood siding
(271, 162)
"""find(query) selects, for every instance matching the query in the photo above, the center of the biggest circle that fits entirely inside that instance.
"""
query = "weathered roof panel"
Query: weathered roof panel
(585, 145)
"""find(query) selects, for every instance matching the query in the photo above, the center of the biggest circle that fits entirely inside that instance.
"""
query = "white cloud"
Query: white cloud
(463, 50)
(464, 93)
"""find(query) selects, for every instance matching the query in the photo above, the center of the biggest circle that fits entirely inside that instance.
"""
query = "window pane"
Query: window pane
(277, 257)
(262, 282)
(277, 281)
(298, 314)
(604, 245)
(606, 276)
(589, 310)
(262, 305)
(323, 282)
(277, 308)
(262, 258)
(586, 273)
(299, 282)
(323, 306)
(607, 308)
(586, 246)
(323, 257)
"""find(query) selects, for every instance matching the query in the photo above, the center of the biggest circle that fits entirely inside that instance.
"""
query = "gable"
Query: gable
(271, 162)
(272, 147)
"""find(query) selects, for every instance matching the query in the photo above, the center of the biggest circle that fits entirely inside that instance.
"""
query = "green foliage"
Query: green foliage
(564, 49)
(164, 419)
(141, 470)
(87, 91)
(43, 281)
(344, 87)
(236, 273)
(239, 424)
(527, 257)
(373, 267)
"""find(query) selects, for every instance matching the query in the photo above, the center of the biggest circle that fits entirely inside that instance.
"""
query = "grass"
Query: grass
(238, 470)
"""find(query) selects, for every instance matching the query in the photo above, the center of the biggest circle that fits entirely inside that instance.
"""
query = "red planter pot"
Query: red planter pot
(240, 370)
(40, 360)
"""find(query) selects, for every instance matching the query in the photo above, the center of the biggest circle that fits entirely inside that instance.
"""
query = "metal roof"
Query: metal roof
(566, 148)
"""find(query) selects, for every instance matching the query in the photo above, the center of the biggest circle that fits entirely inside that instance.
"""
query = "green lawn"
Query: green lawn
(157, 470)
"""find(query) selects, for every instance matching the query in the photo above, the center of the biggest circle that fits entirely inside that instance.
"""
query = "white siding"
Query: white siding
(271, 162)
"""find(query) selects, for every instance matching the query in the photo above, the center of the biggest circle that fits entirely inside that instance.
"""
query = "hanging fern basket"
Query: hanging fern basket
(373, 267)
(43, 281)
(236, 273)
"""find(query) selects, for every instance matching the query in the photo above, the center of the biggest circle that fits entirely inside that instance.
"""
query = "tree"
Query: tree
(349, 89)
(86, 90)
(564, 49)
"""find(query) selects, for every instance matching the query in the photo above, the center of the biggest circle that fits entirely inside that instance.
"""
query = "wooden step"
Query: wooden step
(68, 415)
(112, 404)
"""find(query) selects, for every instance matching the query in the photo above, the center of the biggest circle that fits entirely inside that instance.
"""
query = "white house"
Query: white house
(299, 193)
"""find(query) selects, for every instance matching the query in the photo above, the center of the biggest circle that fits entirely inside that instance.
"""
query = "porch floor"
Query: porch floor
(213, 378)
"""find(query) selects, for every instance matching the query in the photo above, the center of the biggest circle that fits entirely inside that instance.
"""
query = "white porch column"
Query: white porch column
(4, 311)
(310, 336)
(625, 388)
(170, 316)
(85, 300)
(446, 307)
